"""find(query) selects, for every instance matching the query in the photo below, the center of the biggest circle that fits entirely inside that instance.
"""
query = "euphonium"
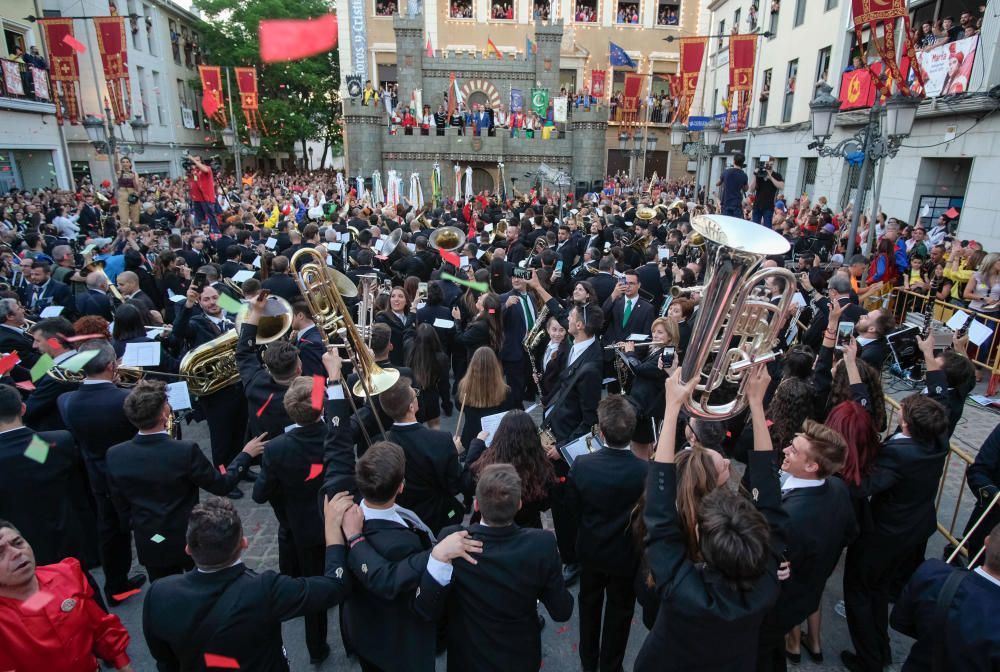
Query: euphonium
(733, 330)
(319, 287)
(211, 366)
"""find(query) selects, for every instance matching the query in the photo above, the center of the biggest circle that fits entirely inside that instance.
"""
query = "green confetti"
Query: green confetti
(41, 367)
(229, 304)
(79, 360)
(157, 538)
(471, 284)
(451, 514)
(37, 450)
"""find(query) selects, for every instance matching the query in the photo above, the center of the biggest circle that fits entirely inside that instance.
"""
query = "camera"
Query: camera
(522, 273)
(761, 173)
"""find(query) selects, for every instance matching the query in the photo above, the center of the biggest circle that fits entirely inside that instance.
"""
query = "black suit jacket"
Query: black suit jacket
(640, 320)
(311, 350)
(55, 294)
(180, 627)
(651, 281)
(574, 403)
(95, 414)
(971, 638)
(40, 499)
(41, 412)
(814, 334)
(874, 353)
(514, 328)
(433, 475)
(154, 482)
(20, 342)
(195, 329)
(821, 523)
(492, 604)
(446, 335)
(283, 285)
(603, 283)
(402, 330)
(605, 486)
(698, 608)
(550, 374)
(260, 388)
(93, 302)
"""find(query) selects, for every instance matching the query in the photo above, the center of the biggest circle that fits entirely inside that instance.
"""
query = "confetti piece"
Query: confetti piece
(562, 630)
(229, 304)
(79, 360)
(224, 662)
(25, 385)
(9, 362)
(314, 471)
(44, 364)
(54, 344)
(73, 43)
(157, 538)
(319, 384)
(222, 470)
(37, 450)
(471, 284)
(260, 411)
(450, 257)
(127, 594)
(84, 337)
(37, 601)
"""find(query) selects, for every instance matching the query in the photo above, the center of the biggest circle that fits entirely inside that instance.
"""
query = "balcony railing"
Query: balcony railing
(662, 116)
(24, 82)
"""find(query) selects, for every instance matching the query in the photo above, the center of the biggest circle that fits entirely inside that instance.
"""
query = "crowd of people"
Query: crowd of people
(929, 34)
(461, 9)
(431, 541)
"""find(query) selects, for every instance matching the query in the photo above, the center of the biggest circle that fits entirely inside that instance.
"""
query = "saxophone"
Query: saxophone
(535, 336)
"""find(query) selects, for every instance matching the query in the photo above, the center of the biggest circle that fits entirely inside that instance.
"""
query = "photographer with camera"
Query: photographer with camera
(765, 185)
(202, 182)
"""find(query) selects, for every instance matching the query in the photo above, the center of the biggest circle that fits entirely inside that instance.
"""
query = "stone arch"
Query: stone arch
(479, 91)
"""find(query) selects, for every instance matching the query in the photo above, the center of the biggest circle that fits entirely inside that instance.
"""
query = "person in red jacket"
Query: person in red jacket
(48, 617)
(203, 193)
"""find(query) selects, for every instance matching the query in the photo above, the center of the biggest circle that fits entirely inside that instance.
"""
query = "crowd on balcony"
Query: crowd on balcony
(541, 12)
(461, 9)
(385, 8)
(585, 13)
(502, 11)
(26, 60)
(627, 13)
(660, 108)
(930, 34)
(669, 15)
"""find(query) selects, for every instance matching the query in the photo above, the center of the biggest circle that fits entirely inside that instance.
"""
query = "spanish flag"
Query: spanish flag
(492, 49)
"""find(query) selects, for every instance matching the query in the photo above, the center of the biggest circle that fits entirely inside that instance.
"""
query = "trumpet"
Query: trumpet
(678, 292)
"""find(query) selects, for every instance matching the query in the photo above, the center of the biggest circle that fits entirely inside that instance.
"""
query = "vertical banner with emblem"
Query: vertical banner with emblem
(354, 85)
(358, 37)
(597, 83)
(856, 89)
(692, 54)
(559, 109)
(630, 101)
(64, 68)
(516, 100)
(211, 97)
(540, 102)
(870, 13)
(114, 56)
(742, 52)
(246, 82)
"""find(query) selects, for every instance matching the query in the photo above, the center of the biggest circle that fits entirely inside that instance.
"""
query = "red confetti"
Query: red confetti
(37, 601)
(222, 469)
(260, 412)
(492, 311)
(292, 39)
(314, 471)
(127, 594)
(25, 385)
(563, 630)
(85, 337)
(224, 662)
(450, 257)
(54, 344)
(562, 479)
(319, 384)
(73, 43)
(8, 362)
(209, 103)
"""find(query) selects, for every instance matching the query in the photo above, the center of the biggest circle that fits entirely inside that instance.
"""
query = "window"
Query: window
(541, 10)
(800, 12)
(627, 12)
(132, 24)
(175, 42)
(830, 4)
(460, 9)
(752, 16)
(502, 10)
(786, 107)
(765, 95)
(736, 21)
(668, 13)
(140, 76)
(385, 7)
(722, 31)
(808, 182)
(13, 40)
(586, 11)
(823, 65)
(715, 100)
(161, 113)
(772, 26)
(150, 37)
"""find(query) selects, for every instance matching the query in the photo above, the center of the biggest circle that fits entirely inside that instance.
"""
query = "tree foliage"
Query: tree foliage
(299, 100)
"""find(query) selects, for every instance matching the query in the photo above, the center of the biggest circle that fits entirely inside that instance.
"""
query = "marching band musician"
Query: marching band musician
(646, 393)
(550, 362)
(519, 315)
(625, 313)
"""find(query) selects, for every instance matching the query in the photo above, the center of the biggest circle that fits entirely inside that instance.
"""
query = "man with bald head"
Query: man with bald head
(128, 285)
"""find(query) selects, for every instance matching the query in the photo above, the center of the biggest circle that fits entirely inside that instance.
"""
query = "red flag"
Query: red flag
(492, 49)
(430, 50)
(450, 257)
(74, 44)
(211, 99)
(289, 40)
(314, 471)
(224, 662)
(856, 89)
(950, 213)
(319, 384)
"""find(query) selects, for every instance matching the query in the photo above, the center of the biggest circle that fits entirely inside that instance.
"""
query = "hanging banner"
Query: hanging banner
(41, 83)
(64, 69)
(742, 52)
(692, 53)
(246, 82)
(947, 68)
(12, 81)
(211, 93)
(358, 36)
(856, 89)
(559, 106)
(871, 13)
(630, 102)
(540, 102)
(516, 100)
(114, 56)
(597, 83)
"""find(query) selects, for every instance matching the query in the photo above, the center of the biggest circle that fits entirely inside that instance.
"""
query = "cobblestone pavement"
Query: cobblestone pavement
(560, 640)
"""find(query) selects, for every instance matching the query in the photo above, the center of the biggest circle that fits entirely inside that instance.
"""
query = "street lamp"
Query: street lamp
(711, 135)
(634, 145)
(254, 138)
(102, 135)
(896, 118)
(310, 158)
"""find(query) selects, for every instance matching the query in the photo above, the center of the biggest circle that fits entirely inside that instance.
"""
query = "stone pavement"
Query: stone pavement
(559, 640)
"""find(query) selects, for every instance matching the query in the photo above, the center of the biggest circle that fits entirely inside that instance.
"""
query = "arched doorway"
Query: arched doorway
(482, 180)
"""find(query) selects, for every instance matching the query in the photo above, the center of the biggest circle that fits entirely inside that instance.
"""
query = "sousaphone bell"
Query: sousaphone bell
(447, 238)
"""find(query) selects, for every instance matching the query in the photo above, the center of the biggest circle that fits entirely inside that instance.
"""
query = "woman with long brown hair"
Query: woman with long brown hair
(429, 364)
(481, 392)
(485, 328)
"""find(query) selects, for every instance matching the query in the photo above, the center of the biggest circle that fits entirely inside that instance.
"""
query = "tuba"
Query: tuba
(273, 324)
(319, 287)
(211, 366)
(447, 238)
(734, 329)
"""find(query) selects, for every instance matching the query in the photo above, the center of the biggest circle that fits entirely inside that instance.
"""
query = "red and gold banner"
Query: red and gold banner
(246, 82)
(856, 89)
(630, 102)
(597, 83)
(692, 54)
(742, 53)
(211, 96)
(872, 13)
(64, 69)
(114, 56)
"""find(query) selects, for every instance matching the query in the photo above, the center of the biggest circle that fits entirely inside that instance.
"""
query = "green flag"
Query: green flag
(540, 102)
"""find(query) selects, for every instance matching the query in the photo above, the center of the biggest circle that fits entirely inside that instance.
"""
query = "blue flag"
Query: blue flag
(529, 47)
(516, 100)
(619, 57)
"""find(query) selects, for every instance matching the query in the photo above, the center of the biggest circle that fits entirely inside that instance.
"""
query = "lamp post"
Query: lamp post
(711, 135)
(310, 149)
(880, 138)
(101, 133)
(635, 146)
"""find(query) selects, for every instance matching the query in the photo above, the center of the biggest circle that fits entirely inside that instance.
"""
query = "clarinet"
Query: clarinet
(916, 373)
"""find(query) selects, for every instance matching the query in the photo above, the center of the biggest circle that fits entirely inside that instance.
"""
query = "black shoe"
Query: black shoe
(235, 494)
(571, 574)
(324, 654)
(795, 658)
(134, 582)
(250, 476)
(851, 661)
(816, 657)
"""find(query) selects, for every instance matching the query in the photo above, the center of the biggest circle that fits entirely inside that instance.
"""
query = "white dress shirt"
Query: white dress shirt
(578, 349)
(439, 571)
(789, 482)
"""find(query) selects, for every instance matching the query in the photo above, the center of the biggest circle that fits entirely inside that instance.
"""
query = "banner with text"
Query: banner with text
(947, 68)
(359, 37)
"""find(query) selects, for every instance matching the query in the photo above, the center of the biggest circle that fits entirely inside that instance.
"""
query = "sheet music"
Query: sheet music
(141, 354)
(178, 395)
(490, 423)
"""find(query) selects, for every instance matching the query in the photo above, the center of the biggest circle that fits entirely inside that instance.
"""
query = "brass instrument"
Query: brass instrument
(422, 222)
(367, 284)
(392, 244)
(447, 238)
(645, 213)
(535, 336)
(321, 291)
(734, 330)
(678, 292)
(228, 282)
(499, 232)
(211, 366)
(274, 323)
(98, 267)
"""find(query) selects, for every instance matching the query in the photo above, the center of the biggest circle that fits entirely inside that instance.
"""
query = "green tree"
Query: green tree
(299, 100)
